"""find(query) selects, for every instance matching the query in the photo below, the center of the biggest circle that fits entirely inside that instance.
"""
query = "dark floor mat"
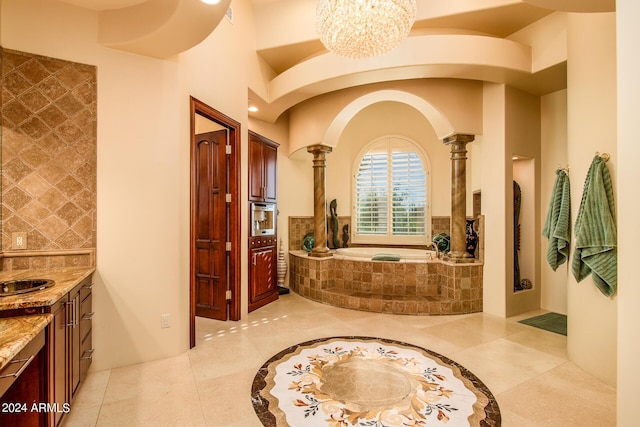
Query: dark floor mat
(552, 322)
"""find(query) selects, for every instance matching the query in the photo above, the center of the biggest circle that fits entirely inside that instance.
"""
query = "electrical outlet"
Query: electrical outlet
(19, 240)
(165, 321)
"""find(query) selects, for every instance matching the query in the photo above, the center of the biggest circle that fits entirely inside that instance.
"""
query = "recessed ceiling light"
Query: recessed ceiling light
(210, 1)
(253, 108)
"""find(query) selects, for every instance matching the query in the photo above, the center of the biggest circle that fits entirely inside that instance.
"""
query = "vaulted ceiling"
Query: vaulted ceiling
(296, 66)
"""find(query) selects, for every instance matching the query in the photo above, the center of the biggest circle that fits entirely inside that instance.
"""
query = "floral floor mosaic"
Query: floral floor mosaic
(368, 382)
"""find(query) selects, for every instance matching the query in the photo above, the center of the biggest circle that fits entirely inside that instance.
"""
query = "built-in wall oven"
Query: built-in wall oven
(263, 219)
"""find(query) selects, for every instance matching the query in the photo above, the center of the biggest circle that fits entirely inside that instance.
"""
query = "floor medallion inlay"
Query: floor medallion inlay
(363, 381)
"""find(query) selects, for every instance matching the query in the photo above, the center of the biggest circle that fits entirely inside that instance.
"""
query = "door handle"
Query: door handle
(74, 318)
(22, 368)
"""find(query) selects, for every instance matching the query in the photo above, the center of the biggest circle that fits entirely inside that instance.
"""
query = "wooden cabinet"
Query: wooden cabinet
(263, 287)
(69, 332)
(23, 385)
(263, 162)
(263, 180)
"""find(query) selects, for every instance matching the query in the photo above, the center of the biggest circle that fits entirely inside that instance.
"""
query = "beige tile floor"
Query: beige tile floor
(526, 368)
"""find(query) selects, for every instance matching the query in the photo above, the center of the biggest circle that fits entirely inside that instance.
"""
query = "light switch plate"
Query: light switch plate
(19, 241)
(165, 321)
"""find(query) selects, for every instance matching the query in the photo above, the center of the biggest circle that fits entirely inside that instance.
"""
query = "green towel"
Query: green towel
(595, 230)
(385, 257)
(557, 227)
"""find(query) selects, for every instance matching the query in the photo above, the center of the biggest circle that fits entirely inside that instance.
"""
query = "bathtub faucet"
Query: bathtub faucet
(432, 244)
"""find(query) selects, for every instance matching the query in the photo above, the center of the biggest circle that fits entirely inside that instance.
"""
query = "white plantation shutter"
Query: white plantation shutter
(408, 186)
(391, 191)
(372, 194)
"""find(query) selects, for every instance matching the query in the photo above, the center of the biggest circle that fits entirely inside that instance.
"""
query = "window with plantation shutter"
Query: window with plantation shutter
(390, 194)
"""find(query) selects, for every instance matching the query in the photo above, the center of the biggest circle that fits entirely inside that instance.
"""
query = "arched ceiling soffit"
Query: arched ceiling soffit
(159, 28)
(439, 121)
(578, 6)
(460, 56)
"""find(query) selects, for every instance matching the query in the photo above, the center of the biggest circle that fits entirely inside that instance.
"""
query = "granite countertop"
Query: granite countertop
(17, 332)
(66, 279)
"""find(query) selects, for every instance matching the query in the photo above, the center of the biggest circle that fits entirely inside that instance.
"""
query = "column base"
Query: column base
(320, 253)
(459, 257)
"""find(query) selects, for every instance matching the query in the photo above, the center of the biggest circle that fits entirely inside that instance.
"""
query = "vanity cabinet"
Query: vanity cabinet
(263, 287)
(69, 332)
(263, 162)
(23, 384)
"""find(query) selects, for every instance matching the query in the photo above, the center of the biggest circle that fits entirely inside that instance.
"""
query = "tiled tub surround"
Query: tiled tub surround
(405, 287)
(48, 114)
(299, 226)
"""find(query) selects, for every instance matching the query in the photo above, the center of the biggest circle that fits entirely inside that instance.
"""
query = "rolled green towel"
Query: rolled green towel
(385, 257)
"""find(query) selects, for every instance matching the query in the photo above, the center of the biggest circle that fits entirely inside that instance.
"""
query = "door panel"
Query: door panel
(256, 190)
(211, 226)
(262, 283)
(270, 171)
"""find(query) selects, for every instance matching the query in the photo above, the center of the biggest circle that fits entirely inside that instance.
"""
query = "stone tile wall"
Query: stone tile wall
(440, 224)
(388, 287)
(299, 226)
(48, 115)
(308, 276)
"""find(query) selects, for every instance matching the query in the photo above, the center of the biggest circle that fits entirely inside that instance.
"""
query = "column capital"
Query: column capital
(458, 138)
(319, 148)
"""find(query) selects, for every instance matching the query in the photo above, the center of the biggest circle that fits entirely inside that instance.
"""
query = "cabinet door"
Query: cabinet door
(270, 155)
(57, 342)
(86, 315)
(263, 277)
(256, 170)
(263, 167)
(73, 325)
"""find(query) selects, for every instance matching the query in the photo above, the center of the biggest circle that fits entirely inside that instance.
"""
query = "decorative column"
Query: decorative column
(458, 144)
(320, 248)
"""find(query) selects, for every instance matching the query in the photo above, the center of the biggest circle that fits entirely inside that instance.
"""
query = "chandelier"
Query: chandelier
(364, 28)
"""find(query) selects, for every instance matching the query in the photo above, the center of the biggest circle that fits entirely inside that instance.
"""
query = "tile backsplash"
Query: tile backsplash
(49, 117)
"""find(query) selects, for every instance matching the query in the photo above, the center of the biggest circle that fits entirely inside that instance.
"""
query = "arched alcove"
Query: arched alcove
(439, 121)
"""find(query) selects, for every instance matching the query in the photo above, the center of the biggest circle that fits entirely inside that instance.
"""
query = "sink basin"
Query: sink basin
(15, 287)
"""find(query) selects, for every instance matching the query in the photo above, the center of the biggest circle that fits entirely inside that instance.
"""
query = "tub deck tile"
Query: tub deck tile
(389, 287)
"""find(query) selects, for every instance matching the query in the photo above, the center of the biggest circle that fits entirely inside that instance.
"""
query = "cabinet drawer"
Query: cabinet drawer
(19, 363)
(86, 316)
(86, 356)
(86, 286)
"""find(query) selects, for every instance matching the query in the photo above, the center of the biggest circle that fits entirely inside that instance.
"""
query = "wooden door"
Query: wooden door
(211, 225)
